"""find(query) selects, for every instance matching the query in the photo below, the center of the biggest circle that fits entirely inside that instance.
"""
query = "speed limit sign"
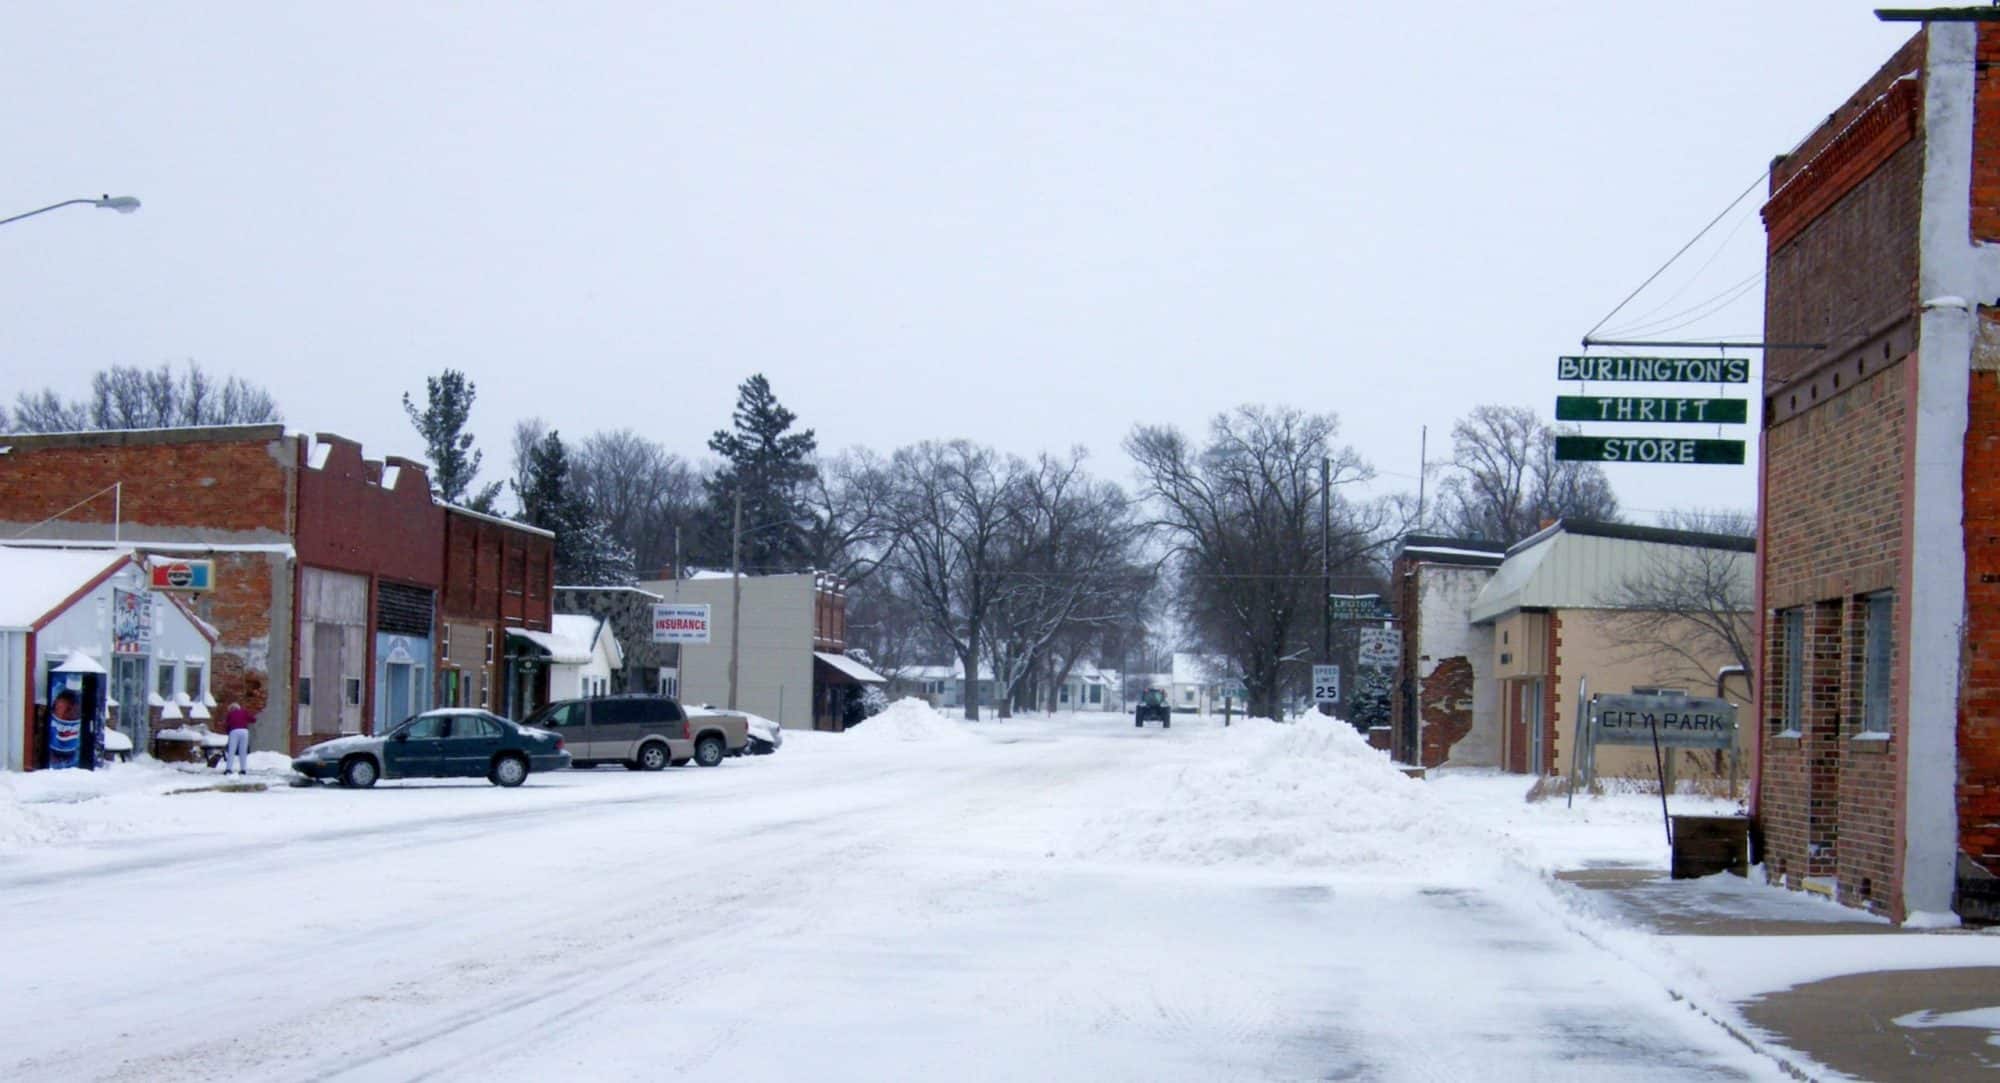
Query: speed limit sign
(1326, 684)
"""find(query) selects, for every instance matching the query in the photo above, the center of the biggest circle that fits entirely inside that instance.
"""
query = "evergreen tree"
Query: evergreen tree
(454, 463)
(586, 552)
(771, 467)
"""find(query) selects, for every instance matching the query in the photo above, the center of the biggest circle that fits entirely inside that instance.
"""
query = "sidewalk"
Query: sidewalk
(1878, 1002)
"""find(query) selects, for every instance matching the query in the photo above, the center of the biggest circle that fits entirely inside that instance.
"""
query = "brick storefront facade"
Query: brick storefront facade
(1879, 774)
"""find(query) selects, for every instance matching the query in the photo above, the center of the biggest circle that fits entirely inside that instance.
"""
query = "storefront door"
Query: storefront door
(128, 687)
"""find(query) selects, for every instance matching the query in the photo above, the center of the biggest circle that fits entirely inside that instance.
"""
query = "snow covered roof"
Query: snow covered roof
(561, 649)
(952, 672)
(33, 581)
(1574, 565)
(851, 668)
(1200, 668)
(502, 520)
(590, 631)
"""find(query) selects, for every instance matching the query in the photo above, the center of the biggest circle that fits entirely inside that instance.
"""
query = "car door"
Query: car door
(470, 746)
(416, 748)
(570, 722)
(614, 727)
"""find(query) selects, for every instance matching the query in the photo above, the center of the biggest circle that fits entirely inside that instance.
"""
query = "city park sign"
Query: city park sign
(1652, 409)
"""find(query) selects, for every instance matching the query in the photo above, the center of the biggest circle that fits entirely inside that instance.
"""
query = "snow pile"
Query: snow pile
(1309, 794)
(910, 719)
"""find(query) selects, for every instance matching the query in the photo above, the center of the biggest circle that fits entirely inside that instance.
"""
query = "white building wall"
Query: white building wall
(13, 699)
(775, 663)
(1446, 635)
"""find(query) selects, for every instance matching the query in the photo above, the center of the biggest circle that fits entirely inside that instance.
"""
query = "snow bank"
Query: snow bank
(909, 719)
(1304, 795)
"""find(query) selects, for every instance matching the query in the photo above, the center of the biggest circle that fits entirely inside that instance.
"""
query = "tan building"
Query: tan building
(1567, 606)
(791, 654)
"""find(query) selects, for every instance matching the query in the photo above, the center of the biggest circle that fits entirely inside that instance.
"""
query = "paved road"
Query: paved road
(843, 910)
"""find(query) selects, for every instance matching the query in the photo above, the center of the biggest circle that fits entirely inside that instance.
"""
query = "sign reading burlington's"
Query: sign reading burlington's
(1680, 721)
(1647, 449)
(1648, 408)
(674, 623)
(1655, 370)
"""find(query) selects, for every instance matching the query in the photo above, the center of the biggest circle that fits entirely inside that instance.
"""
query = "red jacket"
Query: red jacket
(238, 719)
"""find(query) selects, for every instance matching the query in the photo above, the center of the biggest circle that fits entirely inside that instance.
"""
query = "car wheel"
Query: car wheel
(652, 757)
(1138, 723)
(509, 771)
(359, 773)
(708, 751)
(1166, 723)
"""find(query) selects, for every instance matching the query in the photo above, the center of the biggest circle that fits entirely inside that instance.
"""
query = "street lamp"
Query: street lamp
(121, 204)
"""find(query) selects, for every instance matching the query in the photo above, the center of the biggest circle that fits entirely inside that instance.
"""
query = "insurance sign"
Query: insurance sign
(676, 622)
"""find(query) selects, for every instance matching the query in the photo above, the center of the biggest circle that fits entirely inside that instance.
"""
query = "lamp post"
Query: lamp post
(121, 204)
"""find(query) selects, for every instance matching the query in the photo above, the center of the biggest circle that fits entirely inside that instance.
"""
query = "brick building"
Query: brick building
(497, 577)
(1879, 576)
(329, 566)
(1445, 706)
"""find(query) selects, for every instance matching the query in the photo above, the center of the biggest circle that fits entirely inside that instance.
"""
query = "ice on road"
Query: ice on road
(917, 899)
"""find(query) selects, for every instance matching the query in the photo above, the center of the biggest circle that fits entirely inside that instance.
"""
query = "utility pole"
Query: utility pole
(1423, 470)
(736, 593)
(1326, 564)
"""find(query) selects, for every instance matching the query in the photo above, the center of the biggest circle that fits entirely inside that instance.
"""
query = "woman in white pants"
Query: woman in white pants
(236, 755)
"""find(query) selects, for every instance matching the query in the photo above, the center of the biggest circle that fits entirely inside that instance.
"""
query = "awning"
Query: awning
(561, 650)
(851, 669)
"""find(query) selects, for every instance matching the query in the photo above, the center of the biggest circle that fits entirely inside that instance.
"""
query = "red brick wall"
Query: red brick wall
(349, 522)
(1986, 138)
(1979, 703)
(496, 573)
(217, 485)
(1446, 702)
(1834, 501)
(1833, 519)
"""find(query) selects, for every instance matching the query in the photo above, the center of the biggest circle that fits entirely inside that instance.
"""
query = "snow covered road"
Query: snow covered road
(1067, 899)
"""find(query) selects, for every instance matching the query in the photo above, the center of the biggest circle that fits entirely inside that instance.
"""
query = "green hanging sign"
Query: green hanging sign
(1648, 449)
(1648, 408)
(1655, 370)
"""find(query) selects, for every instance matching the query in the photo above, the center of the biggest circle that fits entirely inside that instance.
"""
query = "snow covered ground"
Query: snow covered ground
(1063, 898)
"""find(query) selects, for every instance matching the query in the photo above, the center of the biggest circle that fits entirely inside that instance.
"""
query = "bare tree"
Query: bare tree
(1068, 562)
(1241, 517)
(130, 397)
(529, 432)
(952, 504)
(45, 411)
(1506, 480)
(641, 492)
(848, 499)
(1692, 602)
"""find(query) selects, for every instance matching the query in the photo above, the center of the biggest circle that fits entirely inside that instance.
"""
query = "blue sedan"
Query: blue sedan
(445, 743)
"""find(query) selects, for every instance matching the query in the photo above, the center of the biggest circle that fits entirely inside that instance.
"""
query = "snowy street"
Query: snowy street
(1061, 898)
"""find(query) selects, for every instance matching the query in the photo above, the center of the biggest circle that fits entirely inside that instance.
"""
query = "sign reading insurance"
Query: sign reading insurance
(677, 623)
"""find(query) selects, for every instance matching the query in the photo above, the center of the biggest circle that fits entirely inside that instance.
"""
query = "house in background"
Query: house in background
(648, 666)
(1203, 684)
(1088, 688)
(1445, 705)
(943, 687)
(1557, 610)
(592, 639)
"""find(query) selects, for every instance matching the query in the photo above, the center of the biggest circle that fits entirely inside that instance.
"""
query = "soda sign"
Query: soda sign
(184, 575)
(677, 623)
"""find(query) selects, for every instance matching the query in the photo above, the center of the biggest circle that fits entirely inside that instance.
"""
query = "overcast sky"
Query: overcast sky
(1031, 225)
